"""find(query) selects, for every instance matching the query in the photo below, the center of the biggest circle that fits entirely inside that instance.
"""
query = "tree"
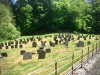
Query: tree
(25, 18)
(7, 28)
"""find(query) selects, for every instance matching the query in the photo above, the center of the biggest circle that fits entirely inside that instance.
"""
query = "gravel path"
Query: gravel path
(91, 68)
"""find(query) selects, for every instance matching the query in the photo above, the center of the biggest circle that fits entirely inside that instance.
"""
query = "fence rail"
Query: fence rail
(69, 66)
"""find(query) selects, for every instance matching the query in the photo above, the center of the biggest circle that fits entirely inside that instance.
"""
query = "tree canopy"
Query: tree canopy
(33, 16)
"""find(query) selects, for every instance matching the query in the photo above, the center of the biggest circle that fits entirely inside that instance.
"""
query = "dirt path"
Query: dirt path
(91, 68)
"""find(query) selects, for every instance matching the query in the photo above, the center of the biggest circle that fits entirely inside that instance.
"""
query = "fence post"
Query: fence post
(88, 54)
(72, 63)
(92, 50)
(96, 47)
(82, 59)
(99, 46)
(55, 67)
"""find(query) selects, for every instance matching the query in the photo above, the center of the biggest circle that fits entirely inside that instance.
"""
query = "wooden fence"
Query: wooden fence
(65, 66)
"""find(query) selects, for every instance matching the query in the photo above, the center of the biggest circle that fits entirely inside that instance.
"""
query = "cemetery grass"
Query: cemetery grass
(15, 65)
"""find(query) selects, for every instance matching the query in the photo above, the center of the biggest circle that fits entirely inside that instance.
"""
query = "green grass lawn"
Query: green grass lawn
(15, 65)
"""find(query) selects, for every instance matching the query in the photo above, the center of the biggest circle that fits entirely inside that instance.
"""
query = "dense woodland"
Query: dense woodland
(28, 17)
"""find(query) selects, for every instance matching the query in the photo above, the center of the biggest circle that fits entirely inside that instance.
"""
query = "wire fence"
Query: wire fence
(67, 65)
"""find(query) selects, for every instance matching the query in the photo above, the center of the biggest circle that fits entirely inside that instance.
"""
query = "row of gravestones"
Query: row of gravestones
(41, 53)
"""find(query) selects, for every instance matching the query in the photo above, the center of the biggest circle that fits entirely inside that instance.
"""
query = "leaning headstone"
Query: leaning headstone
(4, 55)
(27, 55)
(88, 43)
(48, 50)
(22, 52)
(41, 54)
(34, 44)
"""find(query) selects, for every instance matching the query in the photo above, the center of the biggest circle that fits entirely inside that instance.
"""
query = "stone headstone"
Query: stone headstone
(77, 44)
(22, 52)
(34, 44)
(12, 47)
(48, 50)
(81, 44)
(84, 37)
(55, 38)
(78, 38)
(53, 44)
(0, 46)
(20, 46)
(56, 42)
(4, 55)
(41, 54)
(43, 44)
(50, 43)
(89, 36)
(7, 47)
(66, 43)
(88, 42)
(16, 46)
(5, 43)
(16, 42)
(96, 38)
(41, 47)
(27, 55)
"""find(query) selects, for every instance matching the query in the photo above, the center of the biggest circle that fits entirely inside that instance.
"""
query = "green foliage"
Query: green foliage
(25, 18)
(51, 15)
(7, 28)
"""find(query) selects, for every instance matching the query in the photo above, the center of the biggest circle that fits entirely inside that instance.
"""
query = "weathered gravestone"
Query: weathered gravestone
(48, 50)
(43, 44)
(84, 37)
(20, 46)
(55, 38)
(27, 55)
(56, 42)
(66, 43)
(41, 54)
(5, 43)
(16, 42)
(78, 38)
(22, 52)
(81, 44)
(16, 46)
(96, 38)
(77, 44)
(34, 44)
(0, 46)
(53, 44)
(12, 47)
(4, 55)
(88, 42)
(7, 47)
(50, 42)
(89, 36)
